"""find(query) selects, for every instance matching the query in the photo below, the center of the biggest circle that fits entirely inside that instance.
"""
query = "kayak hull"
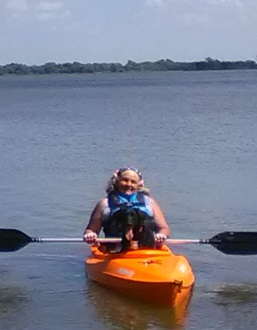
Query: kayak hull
(153, 275)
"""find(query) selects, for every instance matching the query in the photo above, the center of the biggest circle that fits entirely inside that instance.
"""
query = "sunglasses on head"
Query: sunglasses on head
(123, 169)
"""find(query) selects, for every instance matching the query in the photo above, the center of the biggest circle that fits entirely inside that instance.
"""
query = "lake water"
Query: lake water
(192, 134)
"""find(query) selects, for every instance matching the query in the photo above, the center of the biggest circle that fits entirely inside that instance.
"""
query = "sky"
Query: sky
(35, 32)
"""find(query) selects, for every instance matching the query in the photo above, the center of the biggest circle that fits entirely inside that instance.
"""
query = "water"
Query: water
(192, 134)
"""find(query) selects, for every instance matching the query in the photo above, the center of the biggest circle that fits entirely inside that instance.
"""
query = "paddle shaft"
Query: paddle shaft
(110, 240)
(167, 241)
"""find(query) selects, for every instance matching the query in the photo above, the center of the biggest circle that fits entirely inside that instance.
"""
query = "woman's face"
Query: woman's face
(128, 182)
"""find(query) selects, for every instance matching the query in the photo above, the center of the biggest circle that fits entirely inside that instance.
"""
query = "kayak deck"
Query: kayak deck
(152, 275)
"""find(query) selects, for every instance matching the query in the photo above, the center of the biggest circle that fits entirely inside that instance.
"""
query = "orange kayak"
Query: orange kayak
(153, 275)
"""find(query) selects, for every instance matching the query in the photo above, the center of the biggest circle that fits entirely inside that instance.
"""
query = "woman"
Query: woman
(125, 189)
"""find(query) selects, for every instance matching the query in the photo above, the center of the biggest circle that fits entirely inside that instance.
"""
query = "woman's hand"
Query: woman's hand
(90, 237)
(160, 238)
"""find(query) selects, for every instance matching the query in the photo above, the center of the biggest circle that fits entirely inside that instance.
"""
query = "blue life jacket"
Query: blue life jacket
(136, 200)
(116, 202)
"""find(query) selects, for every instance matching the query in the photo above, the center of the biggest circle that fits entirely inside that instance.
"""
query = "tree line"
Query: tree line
(161, 65)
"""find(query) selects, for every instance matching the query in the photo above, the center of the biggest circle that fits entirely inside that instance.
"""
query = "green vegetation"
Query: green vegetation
(161, 65)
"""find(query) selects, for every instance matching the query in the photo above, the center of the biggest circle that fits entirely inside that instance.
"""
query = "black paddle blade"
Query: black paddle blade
(235, 242)
(13, 240)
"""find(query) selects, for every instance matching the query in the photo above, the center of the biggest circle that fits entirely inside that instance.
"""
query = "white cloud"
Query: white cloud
(49, 6)
(16, 6)
(155, 3)
(195, 3)
(46, 11)
(29, 10)
(202, 12)
(190, 19)
(231, 2)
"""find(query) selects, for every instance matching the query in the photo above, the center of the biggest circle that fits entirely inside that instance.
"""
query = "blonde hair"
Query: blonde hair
(112, 184)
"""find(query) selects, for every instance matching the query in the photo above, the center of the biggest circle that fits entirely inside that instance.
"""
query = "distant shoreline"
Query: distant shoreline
(161, 65)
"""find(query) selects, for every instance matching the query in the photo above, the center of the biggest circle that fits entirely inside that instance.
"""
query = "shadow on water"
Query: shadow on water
(120, 312)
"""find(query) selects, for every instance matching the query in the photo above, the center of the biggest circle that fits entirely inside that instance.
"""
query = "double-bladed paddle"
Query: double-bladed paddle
(228, 242)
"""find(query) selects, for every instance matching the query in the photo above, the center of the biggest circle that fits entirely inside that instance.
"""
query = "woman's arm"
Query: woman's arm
(95, 220)
(160, 221)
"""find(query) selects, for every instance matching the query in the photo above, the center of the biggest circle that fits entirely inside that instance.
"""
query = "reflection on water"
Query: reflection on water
(236, 306)
(13, 302)
(236, 294)
(11, 298)
(125, 313)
